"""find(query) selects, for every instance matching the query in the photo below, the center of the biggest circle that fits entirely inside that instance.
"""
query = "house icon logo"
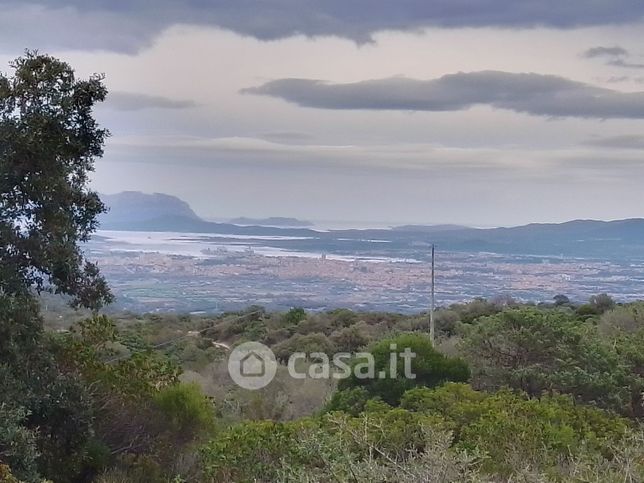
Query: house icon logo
(252, 365)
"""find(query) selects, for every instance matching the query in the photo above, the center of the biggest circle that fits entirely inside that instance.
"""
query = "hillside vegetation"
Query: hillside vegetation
(546, 393)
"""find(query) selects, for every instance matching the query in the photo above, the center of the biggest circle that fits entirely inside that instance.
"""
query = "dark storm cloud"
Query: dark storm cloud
(132, 101)
(628, 141)
(133, 23)
(541, 95)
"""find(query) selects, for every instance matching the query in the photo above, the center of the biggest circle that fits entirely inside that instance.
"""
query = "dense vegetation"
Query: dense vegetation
(510, 392)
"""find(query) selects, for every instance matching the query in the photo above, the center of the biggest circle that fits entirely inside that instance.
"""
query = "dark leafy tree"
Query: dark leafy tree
(561, 300)
(48, 144)
(429, 368)
(49, 141)
(551, 351)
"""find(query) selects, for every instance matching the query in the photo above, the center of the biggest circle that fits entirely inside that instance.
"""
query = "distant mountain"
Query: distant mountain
(134, 211)
(577, 231)
(429, 228)
(183, 224)
(578, 237)
(131, 207)
(272, 221)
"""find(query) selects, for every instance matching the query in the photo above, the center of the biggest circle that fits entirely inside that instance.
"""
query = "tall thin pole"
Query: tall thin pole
(432, 302)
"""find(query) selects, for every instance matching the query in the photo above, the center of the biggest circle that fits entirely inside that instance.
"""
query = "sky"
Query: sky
(477, 112)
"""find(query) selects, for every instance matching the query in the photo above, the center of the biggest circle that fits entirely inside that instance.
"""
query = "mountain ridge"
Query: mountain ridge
(572, 238)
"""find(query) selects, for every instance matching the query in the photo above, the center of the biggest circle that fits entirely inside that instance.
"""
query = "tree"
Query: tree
(307, 344)
(623, 319)
(474, 309)
(293, 316)
(428, 367)
(551, 351)
(351, 401)
(602, 302)
(561, 300)
(349, 339)
(48, 143)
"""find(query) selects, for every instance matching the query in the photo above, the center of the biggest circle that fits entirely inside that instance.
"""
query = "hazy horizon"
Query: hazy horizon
(349, 223)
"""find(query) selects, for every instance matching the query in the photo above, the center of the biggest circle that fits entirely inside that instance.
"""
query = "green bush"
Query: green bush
(186, 409)
(254, 451)
(308, 344)
(457, 402)
(351, 401)
(449, 433)
(349, 339)
(622, 320)
(343, 318)
(395, 432)
(550, 351)
(429, 367)
(293, 317)
(513, 429)
(336, 447)
(473, 310)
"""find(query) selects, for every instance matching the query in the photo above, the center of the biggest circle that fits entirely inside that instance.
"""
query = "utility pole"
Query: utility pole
(432, 302)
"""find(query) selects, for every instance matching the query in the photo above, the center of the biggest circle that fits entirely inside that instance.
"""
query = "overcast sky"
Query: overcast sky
(481, 112)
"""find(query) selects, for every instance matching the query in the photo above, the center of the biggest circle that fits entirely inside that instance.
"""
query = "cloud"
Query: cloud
(287, 137)
(132, 24)
(222, 151)
(132, 101)
(59, 26)
(628, 141)
(624, 78)
(616, 56)
(438, 159)
(625, 63)
(615, 51)
(616, 79)
(536, 94)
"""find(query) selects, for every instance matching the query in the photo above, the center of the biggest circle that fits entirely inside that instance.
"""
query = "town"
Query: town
(144, 281)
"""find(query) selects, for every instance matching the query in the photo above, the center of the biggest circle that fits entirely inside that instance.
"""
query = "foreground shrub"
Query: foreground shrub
(450, 433)
(254, 451)
(401, 447)
(514, 430)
